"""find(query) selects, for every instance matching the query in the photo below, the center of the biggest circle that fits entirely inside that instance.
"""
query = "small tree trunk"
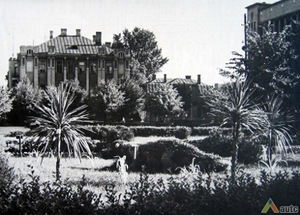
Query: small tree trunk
(58, 175)
(233, 160)
(234, 150)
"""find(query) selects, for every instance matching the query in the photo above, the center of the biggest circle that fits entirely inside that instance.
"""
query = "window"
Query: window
(51, 49)
(35, 62)
(121, 54)
(23, 61)
(115, 64)
(52, 62)
(127, 64)
(59, 66)
(73, 47)
(81, 66)
(93, 68)
(29, 52)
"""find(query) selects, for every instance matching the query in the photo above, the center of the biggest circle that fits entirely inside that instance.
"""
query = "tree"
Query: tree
(163, 101)
(5, 102)
(134, 99)
(25, 97)
(59, 124)
(237, 107)
(279, 126)
(269, 62)
(106, 101)
(146, 56)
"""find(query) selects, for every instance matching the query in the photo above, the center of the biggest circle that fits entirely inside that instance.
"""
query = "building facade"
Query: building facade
(279, 14)
(69, 57)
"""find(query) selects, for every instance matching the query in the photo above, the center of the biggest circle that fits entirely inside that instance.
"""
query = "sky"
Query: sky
(197, 36)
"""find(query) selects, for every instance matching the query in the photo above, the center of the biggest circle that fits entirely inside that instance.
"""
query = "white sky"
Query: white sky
(197, 36)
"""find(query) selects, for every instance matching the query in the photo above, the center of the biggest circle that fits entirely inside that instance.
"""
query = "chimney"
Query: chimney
(107, 44)
(94, 38)
(63, 32)
(51, 35)
(216, 86)
(188, 77)
(78, 32)
(98, 38)
(165, 78)
(199, 79)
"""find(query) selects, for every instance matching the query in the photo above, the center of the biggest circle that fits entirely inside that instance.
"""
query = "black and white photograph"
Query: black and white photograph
(179, 107)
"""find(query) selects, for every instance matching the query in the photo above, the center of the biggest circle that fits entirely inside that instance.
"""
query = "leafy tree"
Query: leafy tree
(25, 97)
(58, 124)
(134, 99)
(236, 106)
(146, 55)
(106, 101)
(5, 102)
(163, 101)
(269, 61)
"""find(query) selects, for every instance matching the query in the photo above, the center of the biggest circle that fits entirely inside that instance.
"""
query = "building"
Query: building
(69, 57)
(189, 90)
(279, 14)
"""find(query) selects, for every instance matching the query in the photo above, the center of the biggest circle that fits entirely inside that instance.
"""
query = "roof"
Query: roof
(174, 81)
(153, 85)
(71, 45)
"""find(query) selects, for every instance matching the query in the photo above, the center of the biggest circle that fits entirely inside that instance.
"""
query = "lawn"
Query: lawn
(97, 177)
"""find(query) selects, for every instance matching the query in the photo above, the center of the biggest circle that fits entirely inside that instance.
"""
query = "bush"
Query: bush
(144, 196)
(182, 132)
(7, 178)
(168, 155)
(220, 144)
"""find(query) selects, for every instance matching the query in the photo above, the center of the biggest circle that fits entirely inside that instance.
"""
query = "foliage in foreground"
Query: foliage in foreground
(58, 124)
(201, 195)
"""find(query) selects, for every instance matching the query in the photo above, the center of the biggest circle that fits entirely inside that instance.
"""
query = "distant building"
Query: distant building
(69, 57)
(279, 14)
(189, 90)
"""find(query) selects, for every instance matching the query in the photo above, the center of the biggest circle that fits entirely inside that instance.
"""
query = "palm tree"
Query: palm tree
(235, 104)
(58, 124)
(279, 126)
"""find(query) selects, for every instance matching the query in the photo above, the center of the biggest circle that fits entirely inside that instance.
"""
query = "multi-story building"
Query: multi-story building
(69, 57)
(279, 14)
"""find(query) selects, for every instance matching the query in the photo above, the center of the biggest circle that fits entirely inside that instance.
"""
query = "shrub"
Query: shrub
(182, 132)
(7, 178)
(220, 144)
(167, 155)
(145, 196)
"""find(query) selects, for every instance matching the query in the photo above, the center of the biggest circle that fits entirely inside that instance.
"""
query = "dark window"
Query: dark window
(35, 62)
(127, 64)
(74, 47)
(59, 66)
(93, 68)
(29, 52)
(121, 54)
(70, 70)
(115, 64)
(52, 62)
(23, 61)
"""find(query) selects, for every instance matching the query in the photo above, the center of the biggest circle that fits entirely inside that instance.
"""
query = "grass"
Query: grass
(73, 170)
